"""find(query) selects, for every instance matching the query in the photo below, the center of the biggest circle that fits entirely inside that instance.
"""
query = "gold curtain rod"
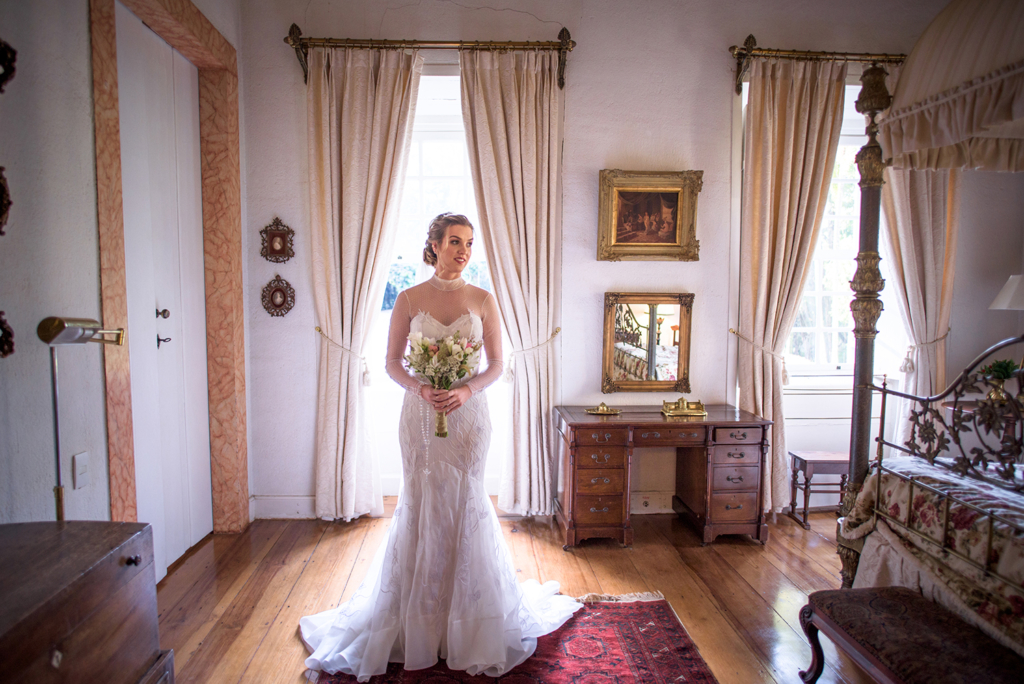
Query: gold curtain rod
(750, 50)
(301, 45)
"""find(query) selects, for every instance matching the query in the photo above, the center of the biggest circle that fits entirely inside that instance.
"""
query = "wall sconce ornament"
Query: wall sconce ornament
(6, 337)
(5, 201)
(278, 296)
(8, 56)
(278, 242)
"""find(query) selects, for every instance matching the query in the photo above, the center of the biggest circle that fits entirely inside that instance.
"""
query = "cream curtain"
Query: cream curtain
(360, 106)
(921, 210)
(794, 116)
(512, 111)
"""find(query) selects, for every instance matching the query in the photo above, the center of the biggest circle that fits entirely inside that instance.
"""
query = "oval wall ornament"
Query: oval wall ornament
(278, 296)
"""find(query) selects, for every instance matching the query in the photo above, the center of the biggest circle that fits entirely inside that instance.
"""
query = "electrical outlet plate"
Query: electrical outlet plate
(80, 466)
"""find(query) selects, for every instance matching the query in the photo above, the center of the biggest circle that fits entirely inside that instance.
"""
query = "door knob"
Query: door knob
(163, 313)
(161, 339)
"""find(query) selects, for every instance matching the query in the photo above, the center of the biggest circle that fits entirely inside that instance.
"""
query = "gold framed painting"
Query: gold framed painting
(648, 215)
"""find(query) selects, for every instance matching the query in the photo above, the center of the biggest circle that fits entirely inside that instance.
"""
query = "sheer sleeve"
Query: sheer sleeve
(492, 345)
(398, 341)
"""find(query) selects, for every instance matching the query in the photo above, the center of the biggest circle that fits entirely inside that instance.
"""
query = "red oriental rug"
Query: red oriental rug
(605, 642)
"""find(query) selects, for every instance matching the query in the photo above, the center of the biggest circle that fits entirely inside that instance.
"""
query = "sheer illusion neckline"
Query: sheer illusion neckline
(446, 285)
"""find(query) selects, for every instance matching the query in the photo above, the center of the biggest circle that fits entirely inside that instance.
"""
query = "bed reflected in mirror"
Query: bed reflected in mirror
(647, 342)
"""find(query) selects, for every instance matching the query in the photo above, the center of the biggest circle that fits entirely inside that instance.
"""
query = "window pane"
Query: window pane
(825, 237)
(477, 273)
(443, 157)
(442, 195)
(826, 311)
(805, 317)
(802, 345)
(837, 274)
(846, 231)
(844, 319)
(843, 355)
(400, 277)
(414, 160)
(812, 277)
(826, 348)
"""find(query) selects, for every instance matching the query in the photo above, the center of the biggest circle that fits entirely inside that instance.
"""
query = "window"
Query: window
(437, 179)
(822, 341)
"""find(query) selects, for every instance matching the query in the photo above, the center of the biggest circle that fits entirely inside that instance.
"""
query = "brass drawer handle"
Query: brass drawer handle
(595, 437)
(655, 435)
(594, 510)
(733, 508)
(735, 454)
(594, 481)
(606, 457)
(730, 478)
(694, 434)
(133, 560)
(738, 435)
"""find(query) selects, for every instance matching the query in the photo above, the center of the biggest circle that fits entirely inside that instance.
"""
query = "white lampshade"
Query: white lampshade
(958, 99)
(1011, 296)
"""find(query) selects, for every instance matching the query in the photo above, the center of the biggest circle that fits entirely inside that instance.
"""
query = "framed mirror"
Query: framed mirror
(646, 342)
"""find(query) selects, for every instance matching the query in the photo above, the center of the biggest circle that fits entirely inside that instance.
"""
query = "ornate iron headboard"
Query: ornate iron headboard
(995, 420)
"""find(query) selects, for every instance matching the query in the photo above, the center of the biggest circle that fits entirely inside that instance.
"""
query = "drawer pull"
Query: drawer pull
(595, 437)
(735, 454)
(594, 481)
(733, 508)
(730, 478)
(738, 435)
(594, 510)
(655, 435)
(606, 457)
(694, 434)
(133, 560)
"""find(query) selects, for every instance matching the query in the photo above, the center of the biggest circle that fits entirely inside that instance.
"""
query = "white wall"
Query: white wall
(649, 86)
(49, 259)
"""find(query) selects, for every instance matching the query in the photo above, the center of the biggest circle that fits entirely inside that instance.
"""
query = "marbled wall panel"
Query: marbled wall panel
(183, 27)
(113, 288)
(222, 237)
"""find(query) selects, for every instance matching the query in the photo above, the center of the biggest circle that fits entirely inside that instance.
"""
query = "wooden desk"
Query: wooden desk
(719, 466)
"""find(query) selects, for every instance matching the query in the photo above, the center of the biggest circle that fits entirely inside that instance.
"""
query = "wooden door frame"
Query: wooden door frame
(183, 27)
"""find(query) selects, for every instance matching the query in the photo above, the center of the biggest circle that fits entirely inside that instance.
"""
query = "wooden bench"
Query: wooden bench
(898, 636)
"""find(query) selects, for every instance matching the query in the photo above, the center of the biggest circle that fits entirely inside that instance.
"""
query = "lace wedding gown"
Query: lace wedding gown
(442, 584)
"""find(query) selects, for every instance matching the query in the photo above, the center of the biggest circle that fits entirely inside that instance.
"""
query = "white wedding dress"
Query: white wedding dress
(442, 584)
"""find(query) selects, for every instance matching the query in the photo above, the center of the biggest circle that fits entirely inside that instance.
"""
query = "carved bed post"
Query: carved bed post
(867, 283)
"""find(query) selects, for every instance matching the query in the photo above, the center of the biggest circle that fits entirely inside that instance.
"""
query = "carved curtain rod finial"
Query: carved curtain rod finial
(294, 38)
(743, 55)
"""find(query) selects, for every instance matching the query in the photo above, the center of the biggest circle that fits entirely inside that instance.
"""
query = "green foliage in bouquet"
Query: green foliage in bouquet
(1000, 370)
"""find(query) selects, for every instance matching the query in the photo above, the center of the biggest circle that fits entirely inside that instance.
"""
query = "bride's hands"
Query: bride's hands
(445, 400)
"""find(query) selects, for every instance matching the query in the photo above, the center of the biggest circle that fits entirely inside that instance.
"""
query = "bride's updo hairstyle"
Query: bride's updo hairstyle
(435, 233)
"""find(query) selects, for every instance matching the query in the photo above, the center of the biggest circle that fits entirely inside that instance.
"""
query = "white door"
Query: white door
(158, 92)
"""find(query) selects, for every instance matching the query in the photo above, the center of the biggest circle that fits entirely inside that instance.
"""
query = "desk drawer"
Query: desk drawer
(737, 455)
(739, 507)
(601, 457)
(738, 435)
(599, 510)
(668, 436)
(598, 481)
(743, 477)
(600, 435)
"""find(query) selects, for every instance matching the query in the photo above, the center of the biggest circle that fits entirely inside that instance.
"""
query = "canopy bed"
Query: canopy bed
(943, 513)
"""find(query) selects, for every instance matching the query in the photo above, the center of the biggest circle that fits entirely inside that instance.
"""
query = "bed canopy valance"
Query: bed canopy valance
(959, 101)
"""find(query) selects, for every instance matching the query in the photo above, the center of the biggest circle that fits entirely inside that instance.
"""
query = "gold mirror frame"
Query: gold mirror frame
(685, 303)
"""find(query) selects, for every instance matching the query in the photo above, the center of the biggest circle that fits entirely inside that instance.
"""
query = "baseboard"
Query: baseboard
(287, 507)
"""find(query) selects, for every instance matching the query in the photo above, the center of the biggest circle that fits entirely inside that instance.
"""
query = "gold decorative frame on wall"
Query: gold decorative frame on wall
(629, 198)
(614, 377)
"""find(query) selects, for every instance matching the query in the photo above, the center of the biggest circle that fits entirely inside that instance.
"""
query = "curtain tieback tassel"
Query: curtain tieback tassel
(509, 374)
(366, 367)
(908, 363)
(766, 350)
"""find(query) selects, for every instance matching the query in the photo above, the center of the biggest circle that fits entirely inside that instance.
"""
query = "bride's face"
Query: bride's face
(454, 252)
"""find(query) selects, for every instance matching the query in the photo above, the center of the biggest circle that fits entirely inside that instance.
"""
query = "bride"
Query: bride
(442, 584)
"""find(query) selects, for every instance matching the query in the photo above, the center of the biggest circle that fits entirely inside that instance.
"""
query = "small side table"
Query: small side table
(811, 463)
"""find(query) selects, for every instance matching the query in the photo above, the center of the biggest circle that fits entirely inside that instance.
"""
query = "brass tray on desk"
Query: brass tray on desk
(683, 408)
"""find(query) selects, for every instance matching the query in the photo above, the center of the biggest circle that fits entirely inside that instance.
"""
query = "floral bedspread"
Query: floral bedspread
(997, 601)
(631, 363)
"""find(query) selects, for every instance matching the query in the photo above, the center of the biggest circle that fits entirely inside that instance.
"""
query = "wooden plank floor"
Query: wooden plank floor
(230, 608)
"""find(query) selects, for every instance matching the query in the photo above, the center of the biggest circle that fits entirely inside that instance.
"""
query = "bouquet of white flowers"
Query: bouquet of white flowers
(441, 362)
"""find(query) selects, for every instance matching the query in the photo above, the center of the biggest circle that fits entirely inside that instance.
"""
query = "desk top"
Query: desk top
(651, 414)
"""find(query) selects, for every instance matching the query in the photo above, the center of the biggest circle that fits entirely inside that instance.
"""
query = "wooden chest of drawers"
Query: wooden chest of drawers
(719, 465)
(78, 604)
